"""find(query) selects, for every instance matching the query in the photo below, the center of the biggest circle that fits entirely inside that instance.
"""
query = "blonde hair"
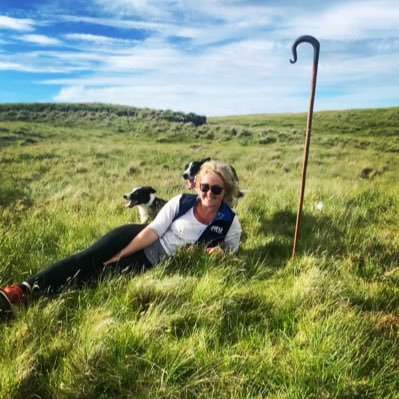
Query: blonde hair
(224, 172)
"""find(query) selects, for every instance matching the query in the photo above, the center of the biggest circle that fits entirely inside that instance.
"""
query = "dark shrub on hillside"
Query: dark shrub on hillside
(197, 120)
(267, 140)
(245, 133)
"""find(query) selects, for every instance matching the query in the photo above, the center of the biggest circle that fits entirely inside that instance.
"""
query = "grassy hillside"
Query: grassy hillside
(255, 325)
(104, 118)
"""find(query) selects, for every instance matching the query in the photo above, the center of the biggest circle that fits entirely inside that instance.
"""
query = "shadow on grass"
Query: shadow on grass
(320, 235)
(14, 194)
(317, 234)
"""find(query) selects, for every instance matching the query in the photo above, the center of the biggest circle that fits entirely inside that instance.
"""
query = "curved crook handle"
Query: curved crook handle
(310, 39)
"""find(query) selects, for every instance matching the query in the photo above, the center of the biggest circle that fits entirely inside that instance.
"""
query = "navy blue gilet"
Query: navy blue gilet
(216, 231)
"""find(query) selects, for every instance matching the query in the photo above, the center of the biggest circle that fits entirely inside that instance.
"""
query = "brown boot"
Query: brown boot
(11, 298)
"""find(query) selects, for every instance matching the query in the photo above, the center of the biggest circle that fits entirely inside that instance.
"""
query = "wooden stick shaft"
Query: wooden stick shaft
(305, 163)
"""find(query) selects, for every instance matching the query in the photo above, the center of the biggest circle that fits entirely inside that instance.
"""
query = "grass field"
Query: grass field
(256, 325)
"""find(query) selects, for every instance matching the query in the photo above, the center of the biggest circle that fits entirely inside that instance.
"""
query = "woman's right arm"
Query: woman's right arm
(152, 232)
(145, 238)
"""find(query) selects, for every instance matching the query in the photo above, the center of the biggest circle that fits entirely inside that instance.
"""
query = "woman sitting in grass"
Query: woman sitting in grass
(205, 218)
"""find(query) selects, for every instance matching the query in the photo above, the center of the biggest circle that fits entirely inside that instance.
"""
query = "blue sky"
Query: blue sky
(211, 57)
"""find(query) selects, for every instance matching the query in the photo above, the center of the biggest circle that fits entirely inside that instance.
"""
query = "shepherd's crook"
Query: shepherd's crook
(316, 46)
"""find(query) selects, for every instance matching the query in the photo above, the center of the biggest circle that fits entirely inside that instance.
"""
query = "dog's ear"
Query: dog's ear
(233, 171)
(152, 190)
(205, 160)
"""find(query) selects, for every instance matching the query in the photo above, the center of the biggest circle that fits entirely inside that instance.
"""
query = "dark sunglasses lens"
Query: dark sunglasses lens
(204, 188)
(216, 189)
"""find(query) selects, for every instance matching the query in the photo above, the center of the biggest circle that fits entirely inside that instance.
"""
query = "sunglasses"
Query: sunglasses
(215, 189)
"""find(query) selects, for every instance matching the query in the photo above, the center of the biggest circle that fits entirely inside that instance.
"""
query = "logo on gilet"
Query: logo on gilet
(217, 229)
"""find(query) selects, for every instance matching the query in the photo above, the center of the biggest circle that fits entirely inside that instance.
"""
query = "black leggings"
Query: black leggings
(87, 265)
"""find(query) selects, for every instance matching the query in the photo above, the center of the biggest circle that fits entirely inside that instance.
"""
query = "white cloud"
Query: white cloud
(19, 24)
(209, 21)
(351, 21)
(30, 66)
(116, 22)
(240, 61)
(40, 40)
(191, 11)
(203, 21)
(13, 66)
(217, 98)
(51, 61)
(142, 8)
(219, 81)
(163, 29)
(98, 40)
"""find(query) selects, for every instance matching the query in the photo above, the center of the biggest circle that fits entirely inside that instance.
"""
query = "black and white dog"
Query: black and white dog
(146, 201)
(192, 168)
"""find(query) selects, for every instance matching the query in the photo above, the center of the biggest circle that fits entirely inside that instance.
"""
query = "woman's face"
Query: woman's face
(211, 190)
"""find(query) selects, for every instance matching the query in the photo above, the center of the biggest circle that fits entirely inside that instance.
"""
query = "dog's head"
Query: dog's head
(191, 169)
(139, 196)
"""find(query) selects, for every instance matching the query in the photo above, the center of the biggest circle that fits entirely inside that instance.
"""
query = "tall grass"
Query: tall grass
(254, 325)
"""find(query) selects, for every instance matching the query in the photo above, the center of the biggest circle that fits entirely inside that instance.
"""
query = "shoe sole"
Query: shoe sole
(7, 309)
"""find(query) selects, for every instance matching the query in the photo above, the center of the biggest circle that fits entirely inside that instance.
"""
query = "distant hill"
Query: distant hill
(30, 122)
(373, 121)
(91, 113)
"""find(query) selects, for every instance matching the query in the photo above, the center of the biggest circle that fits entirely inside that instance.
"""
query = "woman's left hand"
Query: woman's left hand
(115, 258)
(217, 251)
(145, 238)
